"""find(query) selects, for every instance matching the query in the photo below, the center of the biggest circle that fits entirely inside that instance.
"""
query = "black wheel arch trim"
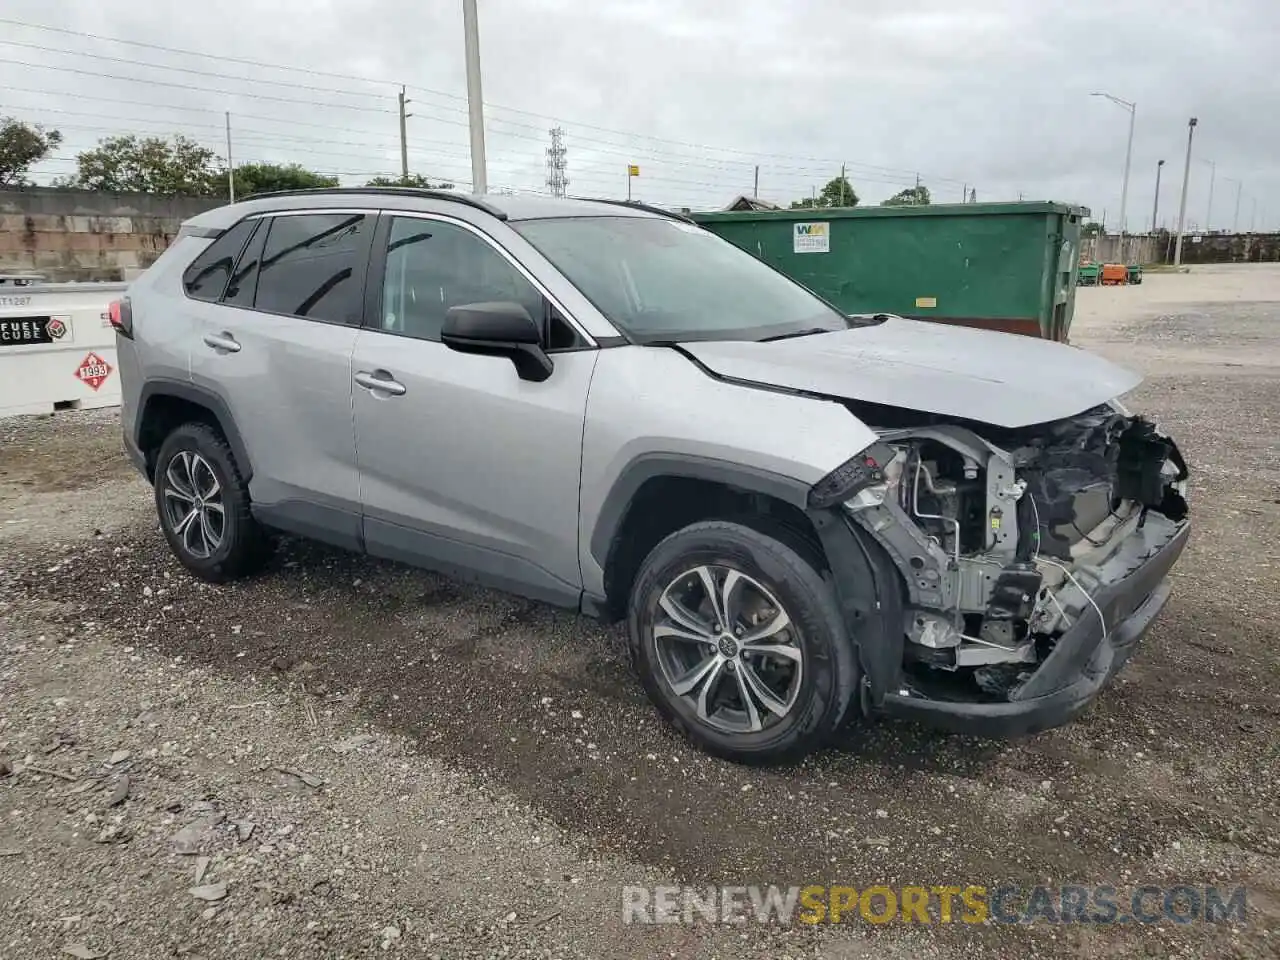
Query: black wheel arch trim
(869, 592)
(200, 396)
(647, 466)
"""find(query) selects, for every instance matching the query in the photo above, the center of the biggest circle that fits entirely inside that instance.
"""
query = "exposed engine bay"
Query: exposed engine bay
(1005, 535)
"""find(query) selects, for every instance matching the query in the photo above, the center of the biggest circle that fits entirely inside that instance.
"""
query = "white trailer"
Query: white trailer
(57, 346)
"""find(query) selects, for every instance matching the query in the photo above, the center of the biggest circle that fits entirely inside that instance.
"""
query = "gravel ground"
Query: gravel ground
(350, 758)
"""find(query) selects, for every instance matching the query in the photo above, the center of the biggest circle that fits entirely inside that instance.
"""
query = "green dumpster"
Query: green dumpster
(1002, 266)
(1135, 272)
(1089, 274)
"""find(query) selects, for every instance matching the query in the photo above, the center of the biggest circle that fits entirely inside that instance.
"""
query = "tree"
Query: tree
(837, 193)
(1091, 229)
(23, 145)
(917, 196)
(251, 178)
(132, 164)
(412, 180)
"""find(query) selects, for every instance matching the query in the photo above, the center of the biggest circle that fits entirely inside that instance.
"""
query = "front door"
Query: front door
(464, 467)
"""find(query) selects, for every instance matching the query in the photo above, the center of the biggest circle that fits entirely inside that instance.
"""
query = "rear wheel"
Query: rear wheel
(203, 503)
(739, 643)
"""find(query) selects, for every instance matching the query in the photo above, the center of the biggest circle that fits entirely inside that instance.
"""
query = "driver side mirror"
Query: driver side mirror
(500, 329)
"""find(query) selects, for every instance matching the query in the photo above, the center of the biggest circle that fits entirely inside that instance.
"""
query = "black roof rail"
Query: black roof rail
(421, 192)
(647, 208)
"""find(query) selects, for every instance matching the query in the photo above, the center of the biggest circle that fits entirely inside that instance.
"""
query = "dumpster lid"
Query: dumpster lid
(1016, 208)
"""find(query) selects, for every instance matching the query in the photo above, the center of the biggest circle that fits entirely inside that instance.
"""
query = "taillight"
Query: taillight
(121, 315)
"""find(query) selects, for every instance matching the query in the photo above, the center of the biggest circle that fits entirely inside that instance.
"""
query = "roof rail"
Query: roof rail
(422, 192)
(647, 208)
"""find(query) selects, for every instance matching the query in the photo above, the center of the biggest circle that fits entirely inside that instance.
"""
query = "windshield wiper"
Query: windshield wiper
(807, 332)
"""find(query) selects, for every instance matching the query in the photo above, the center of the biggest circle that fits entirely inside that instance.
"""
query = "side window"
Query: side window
(432, 266)
(310, 266)
(244, 279)
(207, 276)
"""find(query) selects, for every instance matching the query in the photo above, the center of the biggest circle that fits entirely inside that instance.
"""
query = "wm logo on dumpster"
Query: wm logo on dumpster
(811, 238)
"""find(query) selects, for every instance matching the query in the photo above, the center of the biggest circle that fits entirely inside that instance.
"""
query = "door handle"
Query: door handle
(222, 341)
(381, 380)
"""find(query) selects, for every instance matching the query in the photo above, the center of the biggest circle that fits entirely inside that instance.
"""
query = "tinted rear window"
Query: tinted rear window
(206, 278)
(311, 266)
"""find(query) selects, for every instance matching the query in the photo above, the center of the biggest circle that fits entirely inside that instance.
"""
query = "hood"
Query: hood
(1003, 379)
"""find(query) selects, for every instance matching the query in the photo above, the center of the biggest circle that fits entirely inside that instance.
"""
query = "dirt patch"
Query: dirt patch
(496, 720)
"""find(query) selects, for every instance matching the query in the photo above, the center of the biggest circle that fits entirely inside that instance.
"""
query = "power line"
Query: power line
(191, 70)
(189, 53)
(456, 97)
(187, 86)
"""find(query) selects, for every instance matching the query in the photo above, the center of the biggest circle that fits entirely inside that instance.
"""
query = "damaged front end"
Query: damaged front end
(1029, 561)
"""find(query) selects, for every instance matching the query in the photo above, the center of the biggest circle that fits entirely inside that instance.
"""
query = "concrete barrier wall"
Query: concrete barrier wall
(68, 235)
(1196, 248)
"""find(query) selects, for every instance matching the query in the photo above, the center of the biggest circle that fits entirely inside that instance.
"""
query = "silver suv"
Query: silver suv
(802, 515)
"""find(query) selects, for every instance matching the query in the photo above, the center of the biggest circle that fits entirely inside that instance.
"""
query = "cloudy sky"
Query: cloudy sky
(990, 93)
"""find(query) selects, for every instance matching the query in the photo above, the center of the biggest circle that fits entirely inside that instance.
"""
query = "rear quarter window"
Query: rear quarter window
(206, 278)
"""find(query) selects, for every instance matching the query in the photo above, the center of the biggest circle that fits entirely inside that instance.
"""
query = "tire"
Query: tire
(815, 688)
(216, 553)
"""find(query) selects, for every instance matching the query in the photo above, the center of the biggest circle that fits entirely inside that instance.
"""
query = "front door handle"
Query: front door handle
(381, 381)
(222, 341)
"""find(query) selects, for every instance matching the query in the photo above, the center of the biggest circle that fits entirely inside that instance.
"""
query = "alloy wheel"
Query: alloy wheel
(728, 648)
(193, 503)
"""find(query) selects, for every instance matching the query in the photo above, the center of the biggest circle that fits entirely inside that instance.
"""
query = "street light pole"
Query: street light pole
(1182, 206)
(1235, 220)
(1208, 217)
(1155, 207)
(475, 99)
(1128, 155)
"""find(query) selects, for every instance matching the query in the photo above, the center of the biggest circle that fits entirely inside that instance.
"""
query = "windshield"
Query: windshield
(662, 280)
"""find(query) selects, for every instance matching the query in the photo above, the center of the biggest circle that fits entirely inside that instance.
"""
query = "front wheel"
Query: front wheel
(739, 643)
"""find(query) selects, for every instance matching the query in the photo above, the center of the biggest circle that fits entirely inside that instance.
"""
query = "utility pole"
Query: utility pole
(1155, 207)
(1235, 221)
(404, 138)
(1213, 174)
(1253, 218)
(842, 183)
(475, 98)
(556, 164)
(1128, 152)
(1182, 206)
(755, 189)
(231, 167)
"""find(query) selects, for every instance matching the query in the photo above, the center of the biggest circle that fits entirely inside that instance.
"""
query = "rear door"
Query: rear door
(277, 346)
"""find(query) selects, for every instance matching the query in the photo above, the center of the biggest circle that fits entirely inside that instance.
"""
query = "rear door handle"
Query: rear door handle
(381, 381)
(222, 341)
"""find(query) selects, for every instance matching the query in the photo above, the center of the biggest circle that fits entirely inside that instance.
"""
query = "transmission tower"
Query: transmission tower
(557, 169)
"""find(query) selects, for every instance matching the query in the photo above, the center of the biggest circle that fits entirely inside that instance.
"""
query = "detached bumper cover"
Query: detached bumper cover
(1085, 658)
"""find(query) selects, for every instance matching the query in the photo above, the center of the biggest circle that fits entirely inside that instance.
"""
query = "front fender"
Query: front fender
(653, 411)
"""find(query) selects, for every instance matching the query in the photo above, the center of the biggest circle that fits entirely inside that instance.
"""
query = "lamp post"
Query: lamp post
(1128, 154)
(1182, 206)
(1235, 220)
(1208, 217)
(1155, 207)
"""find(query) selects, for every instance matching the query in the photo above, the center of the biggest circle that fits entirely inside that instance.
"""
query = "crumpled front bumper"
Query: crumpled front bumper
(1085, 658)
